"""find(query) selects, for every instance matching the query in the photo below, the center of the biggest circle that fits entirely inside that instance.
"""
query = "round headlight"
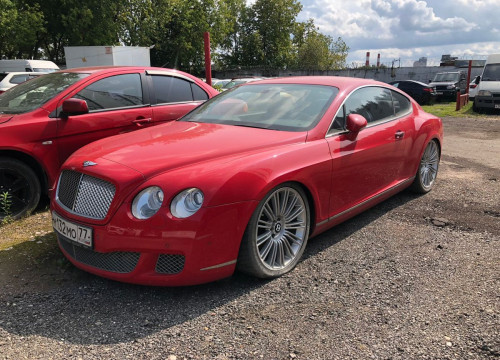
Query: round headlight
(147, 202)
(186, 203)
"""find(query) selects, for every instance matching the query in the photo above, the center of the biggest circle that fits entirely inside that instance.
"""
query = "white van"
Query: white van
(488, 93)
(27, 65)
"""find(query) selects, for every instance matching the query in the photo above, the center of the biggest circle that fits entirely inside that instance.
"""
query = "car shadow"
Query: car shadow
(81, 308)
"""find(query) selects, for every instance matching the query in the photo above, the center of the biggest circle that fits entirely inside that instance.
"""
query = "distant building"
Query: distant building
(448, 60)
(422, 62)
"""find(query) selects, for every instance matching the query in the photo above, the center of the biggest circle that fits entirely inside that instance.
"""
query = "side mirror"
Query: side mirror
(477, 80)
(74, 107)
(355, 123)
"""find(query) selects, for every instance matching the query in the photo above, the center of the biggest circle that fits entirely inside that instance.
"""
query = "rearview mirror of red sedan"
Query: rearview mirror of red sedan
(355, 123)
(74, 107)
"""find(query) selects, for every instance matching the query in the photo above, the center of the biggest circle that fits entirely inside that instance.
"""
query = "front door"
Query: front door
(115, 106)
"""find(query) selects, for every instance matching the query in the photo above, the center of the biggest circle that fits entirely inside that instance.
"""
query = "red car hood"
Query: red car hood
(161, 148)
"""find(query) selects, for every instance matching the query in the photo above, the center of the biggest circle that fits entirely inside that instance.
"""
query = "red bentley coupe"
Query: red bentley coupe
(243, 181)
(44, 120)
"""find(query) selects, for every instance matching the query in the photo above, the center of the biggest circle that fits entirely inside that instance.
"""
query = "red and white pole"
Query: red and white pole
(378, 61)
(367, 59)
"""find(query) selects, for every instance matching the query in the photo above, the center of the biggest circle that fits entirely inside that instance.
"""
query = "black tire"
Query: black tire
(281, 224)
(427, 169)
(21, 184)
(475, 108)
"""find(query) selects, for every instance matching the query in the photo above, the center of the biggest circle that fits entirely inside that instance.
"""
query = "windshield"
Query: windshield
(286, 107)
(446, 77)
(491, 72)
(32, 94)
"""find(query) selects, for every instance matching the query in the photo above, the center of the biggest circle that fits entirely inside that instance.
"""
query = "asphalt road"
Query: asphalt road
(416, 277)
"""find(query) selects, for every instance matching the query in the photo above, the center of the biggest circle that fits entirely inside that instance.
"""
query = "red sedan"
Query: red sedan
(44, 120)
(243, 181)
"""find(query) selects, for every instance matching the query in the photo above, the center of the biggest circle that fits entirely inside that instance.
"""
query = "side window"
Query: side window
(18, 79)
(113, 92)
(395, 84)
(169, 89)
(198, 93)
(374, 103)
(339, 121)
(401, 104)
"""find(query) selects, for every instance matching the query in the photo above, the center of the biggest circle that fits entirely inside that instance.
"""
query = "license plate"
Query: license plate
(77, 233)
(497, 106)
(439, 93)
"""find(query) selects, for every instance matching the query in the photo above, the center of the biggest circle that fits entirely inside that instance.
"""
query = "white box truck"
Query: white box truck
(488, 90)
(21, 65)
(84, 56)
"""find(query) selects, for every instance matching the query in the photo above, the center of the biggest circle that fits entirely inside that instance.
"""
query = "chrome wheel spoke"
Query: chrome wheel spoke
(295, 225)
(281, 228)
(265, 237)
(429, 165)
(295, 214)
(263, 224)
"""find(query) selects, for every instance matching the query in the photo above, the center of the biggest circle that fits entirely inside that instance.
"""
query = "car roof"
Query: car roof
(336, 81)
(109, 69)
(410, 81)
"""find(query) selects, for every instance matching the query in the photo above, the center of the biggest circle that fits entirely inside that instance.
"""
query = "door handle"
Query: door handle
(141, 121)
(399, 135)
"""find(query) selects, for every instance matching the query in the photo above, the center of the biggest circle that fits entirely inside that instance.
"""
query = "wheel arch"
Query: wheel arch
(31, 162)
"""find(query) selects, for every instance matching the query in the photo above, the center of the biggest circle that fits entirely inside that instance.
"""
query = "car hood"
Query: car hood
(161, 148)
(489, 85)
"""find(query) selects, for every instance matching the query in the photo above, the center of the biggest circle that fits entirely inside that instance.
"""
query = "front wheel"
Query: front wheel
(427, 169)
(277, 233)
(19, 189)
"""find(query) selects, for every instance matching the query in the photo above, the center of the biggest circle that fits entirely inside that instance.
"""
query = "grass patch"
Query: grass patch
(448, 110)
(26, 229)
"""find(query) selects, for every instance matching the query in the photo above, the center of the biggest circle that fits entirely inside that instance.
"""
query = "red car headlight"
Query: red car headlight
(186, 203)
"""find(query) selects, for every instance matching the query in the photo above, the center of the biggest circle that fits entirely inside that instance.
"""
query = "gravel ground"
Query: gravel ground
(416, 277)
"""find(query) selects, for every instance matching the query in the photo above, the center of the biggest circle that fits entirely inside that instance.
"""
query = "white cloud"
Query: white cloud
(409, 28)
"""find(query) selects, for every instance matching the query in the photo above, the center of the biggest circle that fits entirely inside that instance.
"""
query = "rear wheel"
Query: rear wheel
(277, 233)
(19, 189)
(427, 170)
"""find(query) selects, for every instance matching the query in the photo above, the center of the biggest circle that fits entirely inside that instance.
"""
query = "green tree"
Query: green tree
(275, 21)
(316, 51)
(21, 29)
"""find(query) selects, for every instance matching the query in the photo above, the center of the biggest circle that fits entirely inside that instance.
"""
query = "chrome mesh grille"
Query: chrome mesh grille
(169, 264)
(118, 262)
(85, 195)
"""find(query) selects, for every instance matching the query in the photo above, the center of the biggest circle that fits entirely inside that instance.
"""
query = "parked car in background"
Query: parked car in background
(44, 120)
(448, 84)
(220, 82)
(488, 92)
(242, 181)
(18, 65)
(9, 80)
(422, 93)
(473, 87)
(239, 81)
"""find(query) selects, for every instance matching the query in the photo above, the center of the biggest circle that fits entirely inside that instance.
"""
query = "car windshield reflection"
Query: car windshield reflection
(285, 107)
(32, 94)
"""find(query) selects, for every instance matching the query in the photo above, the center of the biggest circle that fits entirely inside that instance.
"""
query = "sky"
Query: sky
(409, 29)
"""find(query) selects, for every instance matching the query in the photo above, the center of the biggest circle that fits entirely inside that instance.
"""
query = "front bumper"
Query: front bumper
(487, 102)
(163, 250)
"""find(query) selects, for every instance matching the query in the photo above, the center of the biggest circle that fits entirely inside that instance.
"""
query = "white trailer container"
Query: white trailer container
(84, 56)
